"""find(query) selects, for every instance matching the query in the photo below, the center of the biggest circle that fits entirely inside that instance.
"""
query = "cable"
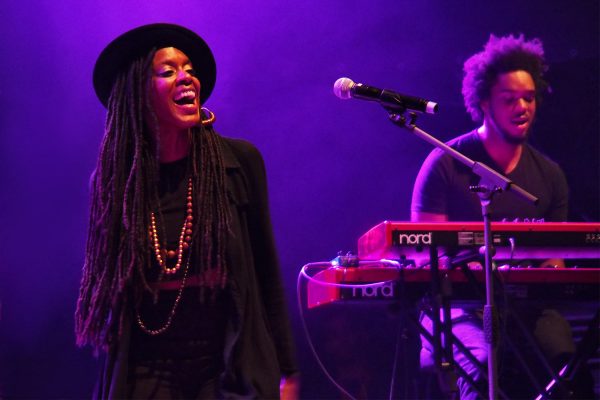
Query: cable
(322, 265)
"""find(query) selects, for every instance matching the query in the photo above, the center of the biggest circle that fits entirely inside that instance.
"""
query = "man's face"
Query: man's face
(175, 90)
(510, 108)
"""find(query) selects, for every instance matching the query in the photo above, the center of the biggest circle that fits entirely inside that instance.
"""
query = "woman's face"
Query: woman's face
(174, 91)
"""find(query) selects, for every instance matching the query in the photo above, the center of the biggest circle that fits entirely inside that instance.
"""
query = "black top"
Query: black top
(442, 185)
(172, 191)
(197, 330)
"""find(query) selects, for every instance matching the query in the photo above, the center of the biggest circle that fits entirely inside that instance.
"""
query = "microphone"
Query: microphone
(345, 88)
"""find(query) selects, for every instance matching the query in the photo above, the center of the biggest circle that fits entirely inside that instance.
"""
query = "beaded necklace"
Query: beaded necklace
(185, 240)
(154, 332)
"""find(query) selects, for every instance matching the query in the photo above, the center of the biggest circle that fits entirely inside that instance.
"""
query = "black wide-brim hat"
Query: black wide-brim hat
(138, 42)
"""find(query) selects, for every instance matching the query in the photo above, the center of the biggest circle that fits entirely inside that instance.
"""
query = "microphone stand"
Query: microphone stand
(491, 182)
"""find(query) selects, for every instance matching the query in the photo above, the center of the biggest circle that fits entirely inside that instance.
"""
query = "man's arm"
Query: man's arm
(421, 216)
(429, 202)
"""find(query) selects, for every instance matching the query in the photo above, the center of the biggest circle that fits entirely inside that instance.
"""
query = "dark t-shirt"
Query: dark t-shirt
(442, 185)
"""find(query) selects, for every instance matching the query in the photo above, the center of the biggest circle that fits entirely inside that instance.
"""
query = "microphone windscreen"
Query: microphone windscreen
(341, 88)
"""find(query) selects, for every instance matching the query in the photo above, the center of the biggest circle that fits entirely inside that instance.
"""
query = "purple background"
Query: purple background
(335, 168)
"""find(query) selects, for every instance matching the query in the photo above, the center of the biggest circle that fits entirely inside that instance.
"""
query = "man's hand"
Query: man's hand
(289, 387)
(553, 263)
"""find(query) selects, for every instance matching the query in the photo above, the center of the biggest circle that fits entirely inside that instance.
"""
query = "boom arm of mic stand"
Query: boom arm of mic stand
(491, 182)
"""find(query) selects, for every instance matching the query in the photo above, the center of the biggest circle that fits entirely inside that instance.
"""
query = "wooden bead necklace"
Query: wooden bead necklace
(154, 332)
(185, 238)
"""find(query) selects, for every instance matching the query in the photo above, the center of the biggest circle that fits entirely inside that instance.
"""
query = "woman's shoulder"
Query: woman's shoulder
(242, 147)
(245, 154)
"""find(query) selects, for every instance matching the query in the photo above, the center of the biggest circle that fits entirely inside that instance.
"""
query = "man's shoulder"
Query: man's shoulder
(465, 143)
(538, 157)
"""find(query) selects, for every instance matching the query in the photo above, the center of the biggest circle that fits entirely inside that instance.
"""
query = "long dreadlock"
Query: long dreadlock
(124, 191)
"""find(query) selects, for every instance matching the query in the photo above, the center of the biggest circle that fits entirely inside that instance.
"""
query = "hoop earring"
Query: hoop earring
(211, 117)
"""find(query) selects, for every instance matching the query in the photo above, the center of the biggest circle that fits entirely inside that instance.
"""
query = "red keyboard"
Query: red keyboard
(530, 283)
(512, 240)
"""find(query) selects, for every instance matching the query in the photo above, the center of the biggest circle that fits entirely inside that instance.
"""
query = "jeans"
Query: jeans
(550, 330)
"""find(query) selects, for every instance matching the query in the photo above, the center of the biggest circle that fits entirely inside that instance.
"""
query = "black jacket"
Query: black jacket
(259, 346)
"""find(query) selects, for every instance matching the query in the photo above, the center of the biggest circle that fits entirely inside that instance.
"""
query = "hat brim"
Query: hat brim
(138, 42)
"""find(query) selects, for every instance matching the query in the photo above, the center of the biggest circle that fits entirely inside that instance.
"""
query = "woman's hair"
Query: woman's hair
(124, 191)
(501, 55)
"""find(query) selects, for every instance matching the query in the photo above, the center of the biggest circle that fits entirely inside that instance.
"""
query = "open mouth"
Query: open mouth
(521, 122)
(187, 97)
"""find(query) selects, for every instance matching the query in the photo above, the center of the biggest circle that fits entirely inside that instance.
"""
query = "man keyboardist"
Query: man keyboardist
(502, 86)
